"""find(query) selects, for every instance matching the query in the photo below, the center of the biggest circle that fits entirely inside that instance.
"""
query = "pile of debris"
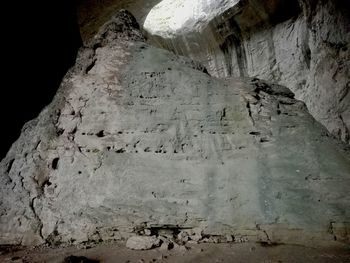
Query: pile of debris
(167, 239)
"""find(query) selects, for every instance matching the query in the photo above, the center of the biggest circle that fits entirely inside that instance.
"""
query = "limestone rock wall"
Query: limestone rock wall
(304, 46)
(138, 137)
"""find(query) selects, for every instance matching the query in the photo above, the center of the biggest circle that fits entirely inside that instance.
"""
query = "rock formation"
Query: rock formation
(140, 138)
(302, 45)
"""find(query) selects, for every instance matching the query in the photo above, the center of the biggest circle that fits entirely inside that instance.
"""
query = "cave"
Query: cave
(176, 131)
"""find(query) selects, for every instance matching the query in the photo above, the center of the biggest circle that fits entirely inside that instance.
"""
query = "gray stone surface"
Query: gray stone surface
(142, 242)
(306, 50)
(140, 138)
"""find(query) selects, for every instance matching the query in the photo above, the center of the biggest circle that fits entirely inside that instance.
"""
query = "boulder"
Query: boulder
(142, 242)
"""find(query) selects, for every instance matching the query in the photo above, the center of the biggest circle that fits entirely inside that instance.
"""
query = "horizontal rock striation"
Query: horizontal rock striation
(303, 45)
(140, 138)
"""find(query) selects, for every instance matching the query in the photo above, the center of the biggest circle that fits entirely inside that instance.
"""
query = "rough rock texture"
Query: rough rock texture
(304, 46)
(140, 138)
(142, 242)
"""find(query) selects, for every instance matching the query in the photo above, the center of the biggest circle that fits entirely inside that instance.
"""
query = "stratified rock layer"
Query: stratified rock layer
(138, 137)
(303, 45)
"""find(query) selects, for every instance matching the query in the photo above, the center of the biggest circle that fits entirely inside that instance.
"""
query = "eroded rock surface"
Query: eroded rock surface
(303, 45)
(140, 138)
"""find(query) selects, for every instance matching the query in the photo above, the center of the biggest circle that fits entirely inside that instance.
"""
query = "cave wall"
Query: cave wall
(303, 45)
(140, 138)
(310, 56)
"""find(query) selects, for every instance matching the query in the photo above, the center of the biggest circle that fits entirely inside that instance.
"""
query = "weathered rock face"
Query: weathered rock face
(139, 137)
(304, 47)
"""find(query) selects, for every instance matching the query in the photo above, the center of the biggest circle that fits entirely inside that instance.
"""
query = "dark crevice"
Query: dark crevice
(306, 51)
(345, 92)
(285, 10)
(250, 112)
(9, 166)
(54, 164)
(278, 109)
(89, 67)
(234, 40)
(100, 134)
(121, 150)
(46, 183)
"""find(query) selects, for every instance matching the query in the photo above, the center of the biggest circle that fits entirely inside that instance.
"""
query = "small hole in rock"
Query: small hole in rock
(100, 134)
(121, 150)
(47, 183)
(170, 246)
(54, 164)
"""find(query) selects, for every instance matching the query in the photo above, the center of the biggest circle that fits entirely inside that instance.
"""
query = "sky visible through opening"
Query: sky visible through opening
(173, 17)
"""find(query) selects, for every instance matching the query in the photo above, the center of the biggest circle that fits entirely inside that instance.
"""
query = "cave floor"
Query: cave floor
(230, 252)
